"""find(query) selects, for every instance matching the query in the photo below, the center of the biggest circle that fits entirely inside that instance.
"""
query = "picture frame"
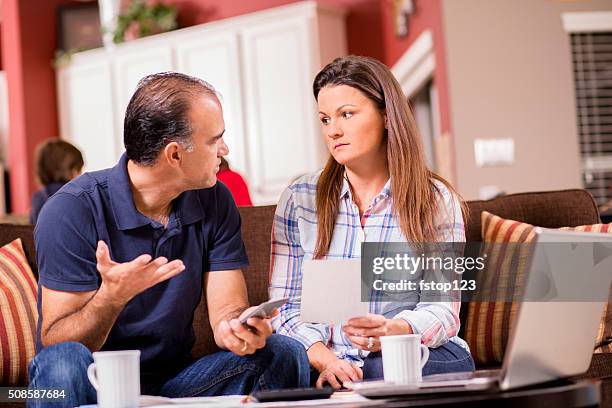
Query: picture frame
(78, 27)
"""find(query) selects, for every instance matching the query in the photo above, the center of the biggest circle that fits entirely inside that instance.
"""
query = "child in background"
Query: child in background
(57, 162)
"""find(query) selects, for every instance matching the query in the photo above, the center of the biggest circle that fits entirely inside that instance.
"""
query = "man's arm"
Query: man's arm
(227, 299)
(87, 317)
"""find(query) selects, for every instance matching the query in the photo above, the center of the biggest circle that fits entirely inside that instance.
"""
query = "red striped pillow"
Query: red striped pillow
(18, 314)
(489, 324)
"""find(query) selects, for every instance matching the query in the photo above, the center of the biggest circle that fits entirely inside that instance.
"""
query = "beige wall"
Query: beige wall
(510, 75)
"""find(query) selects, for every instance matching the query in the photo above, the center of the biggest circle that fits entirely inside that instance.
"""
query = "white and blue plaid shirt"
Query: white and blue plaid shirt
(294, 235)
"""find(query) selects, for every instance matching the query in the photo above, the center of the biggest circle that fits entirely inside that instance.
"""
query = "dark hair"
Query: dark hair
(56, 161)
(224, 164)
(158, 113)
(413, 185)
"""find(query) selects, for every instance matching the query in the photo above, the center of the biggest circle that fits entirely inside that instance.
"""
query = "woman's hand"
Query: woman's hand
(365, 331)
(338, 372)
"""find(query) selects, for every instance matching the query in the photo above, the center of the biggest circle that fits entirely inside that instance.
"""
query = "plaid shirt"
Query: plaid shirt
(294, 237)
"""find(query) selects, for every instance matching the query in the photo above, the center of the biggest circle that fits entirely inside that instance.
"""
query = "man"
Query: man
(124, 254)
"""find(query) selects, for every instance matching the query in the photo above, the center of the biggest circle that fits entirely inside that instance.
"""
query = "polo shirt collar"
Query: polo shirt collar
(186, 208)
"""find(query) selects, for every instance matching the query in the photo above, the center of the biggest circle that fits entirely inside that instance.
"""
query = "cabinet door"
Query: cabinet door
(284, 139)
(86, 112)
(215, 59)
(130, 66)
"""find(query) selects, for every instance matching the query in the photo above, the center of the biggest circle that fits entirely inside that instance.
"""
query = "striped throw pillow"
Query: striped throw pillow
(489, 323)
(18, 314)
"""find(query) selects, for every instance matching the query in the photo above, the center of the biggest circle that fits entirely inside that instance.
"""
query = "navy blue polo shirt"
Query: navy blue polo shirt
(203, 231)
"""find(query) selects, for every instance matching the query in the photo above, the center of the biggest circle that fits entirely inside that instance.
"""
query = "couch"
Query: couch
(546, 209)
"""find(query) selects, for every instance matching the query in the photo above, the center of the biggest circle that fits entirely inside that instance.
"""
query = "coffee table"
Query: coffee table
(558, 394)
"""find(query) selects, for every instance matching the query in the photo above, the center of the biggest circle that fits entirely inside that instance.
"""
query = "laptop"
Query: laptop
(550, 339)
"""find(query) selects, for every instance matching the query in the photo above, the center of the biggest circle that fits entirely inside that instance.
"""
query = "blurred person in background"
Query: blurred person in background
(236, 184)
(57, 162)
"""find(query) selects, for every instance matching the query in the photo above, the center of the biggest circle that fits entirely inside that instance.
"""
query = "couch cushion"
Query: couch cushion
(489, 323)
(10, 232)
(548, 209)
(18, 314)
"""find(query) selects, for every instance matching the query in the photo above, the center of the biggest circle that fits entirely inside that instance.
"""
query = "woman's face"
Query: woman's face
(353, 127)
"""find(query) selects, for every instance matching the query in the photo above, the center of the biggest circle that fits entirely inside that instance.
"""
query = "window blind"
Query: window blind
(592, 64)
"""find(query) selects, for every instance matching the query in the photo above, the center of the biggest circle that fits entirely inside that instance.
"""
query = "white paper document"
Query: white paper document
(331, 291)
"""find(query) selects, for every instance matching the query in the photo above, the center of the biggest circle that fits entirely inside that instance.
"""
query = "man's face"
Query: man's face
(201, 163)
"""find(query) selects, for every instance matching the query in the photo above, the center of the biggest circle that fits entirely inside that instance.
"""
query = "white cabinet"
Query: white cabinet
(130, 66)
(262, 65)
(282, 129)
(86, 111)
(216, 59)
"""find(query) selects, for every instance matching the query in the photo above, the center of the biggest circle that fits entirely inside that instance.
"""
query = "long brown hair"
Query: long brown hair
(413, 187)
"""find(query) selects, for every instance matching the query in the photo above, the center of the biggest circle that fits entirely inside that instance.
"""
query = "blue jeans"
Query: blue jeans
(282, 363)
(448, 358)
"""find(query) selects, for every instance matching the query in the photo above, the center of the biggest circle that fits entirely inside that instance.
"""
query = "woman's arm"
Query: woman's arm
(286, 281)
(437, 322)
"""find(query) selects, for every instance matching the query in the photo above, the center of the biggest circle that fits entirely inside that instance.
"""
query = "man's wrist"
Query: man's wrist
(106, 298)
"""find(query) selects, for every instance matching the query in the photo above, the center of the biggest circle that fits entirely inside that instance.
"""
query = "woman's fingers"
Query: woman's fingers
(363, 332)
(352, 371)
(363, 343)
(330, 378)
(367, 321)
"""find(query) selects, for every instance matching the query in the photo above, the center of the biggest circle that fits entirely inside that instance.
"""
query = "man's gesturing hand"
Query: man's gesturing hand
(122, 281)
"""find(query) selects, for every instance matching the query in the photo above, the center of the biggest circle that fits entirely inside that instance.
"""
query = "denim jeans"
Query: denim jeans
(282, 363)
(448, 358)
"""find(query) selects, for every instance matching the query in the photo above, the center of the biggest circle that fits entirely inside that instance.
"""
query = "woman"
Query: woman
(374, 187)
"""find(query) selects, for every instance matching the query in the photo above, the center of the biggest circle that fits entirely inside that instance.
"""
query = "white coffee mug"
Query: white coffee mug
(402, 359)
(116, 377)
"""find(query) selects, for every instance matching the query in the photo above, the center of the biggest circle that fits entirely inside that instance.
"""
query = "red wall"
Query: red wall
(361, 14)
(427, 15)
(28, 47)
(1, 48)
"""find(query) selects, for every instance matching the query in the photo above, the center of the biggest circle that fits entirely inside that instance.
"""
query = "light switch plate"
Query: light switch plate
(494, 152)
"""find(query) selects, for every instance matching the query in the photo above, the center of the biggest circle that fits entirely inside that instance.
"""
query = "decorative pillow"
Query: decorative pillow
(489, 323)
(18, 314)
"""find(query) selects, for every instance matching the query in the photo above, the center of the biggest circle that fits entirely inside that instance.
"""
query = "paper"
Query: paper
(331, 291)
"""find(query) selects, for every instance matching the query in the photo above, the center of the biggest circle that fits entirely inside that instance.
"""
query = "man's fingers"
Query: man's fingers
(141, 260)
(244, 334)
(103, 256)
(169, 270)
(230, 340)
(263, 327)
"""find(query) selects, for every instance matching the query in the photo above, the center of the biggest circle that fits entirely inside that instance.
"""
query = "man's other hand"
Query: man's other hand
(122, 281)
